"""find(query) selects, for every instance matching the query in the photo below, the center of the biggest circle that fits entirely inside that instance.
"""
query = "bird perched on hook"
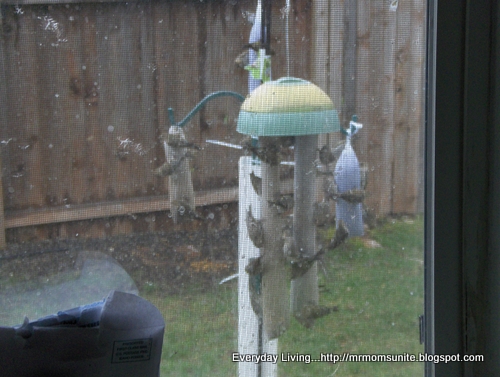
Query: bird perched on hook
(255, 229)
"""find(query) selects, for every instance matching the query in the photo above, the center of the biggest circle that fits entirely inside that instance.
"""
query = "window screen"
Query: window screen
(254, 169)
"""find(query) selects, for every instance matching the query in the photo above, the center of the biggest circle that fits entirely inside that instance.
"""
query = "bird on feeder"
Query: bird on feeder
(328, 155)
(363, 175)
(257, 46)
(168, 168)
(353, 196)
(175, 138)
(303, 262)
(289, 249)
(183, 208)
(272, 152)
(243, 59)
(330, 189)
(321, 214)
(283, 204)
(341, 234)
(300, 264)
(256, 183)
(255, 229)
(282, 113)
(311, 312)
(254, 271)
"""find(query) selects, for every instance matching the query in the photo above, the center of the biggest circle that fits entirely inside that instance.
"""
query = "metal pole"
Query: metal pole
(275, 297)
(304, 289)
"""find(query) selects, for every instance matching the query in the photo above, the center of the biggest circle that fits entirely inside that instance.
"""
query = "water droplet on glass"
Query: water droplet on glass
(110, 128)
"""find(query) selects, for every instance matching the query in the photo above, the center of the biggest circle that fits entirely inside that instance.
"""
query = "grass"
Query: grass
(200, 334)
(379, 292)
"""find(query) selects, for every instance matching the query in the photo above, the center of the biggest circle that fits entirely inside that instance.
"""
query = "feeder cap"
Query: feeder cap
(287, 107)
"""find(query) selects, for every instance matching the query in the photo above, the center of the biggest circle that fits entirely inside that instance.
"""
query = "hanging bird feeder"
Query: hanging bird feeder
(350, 190)
(281, 112)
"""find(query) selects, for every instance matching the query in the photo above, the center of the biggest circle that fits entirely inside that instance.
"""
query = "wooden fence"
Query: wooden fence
(86, 86)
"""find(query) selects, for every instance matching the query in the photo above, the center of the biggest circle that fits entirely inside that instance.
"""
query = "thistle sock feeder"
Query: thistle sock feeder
(177, 155)
(276, 111)
(347, 177)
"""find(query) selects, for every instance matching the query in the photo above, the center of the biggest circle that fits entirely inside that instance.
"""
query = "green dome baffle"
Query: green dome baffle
(287, 107)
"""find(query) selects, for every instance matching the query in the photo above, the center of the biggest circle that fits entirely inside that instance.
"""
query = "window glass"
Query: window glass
(254, 169)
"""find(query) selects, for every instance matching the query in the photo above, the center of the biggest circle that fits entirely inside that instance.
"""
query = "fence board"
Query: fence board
(377, 93)
(405, 187)
(408, 116)
(21, 153)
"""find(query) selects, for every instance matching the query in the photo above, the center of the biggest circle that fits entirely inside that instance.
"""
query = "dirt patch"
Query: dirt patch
(166, 261)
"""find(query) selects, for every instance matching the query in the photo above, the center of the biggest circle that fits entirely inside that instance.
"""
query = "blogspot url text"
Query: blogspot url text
(346, 357)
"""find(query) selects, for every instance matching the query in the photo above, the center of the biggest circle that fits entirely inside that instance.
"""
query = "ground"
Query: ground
(167, 260)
